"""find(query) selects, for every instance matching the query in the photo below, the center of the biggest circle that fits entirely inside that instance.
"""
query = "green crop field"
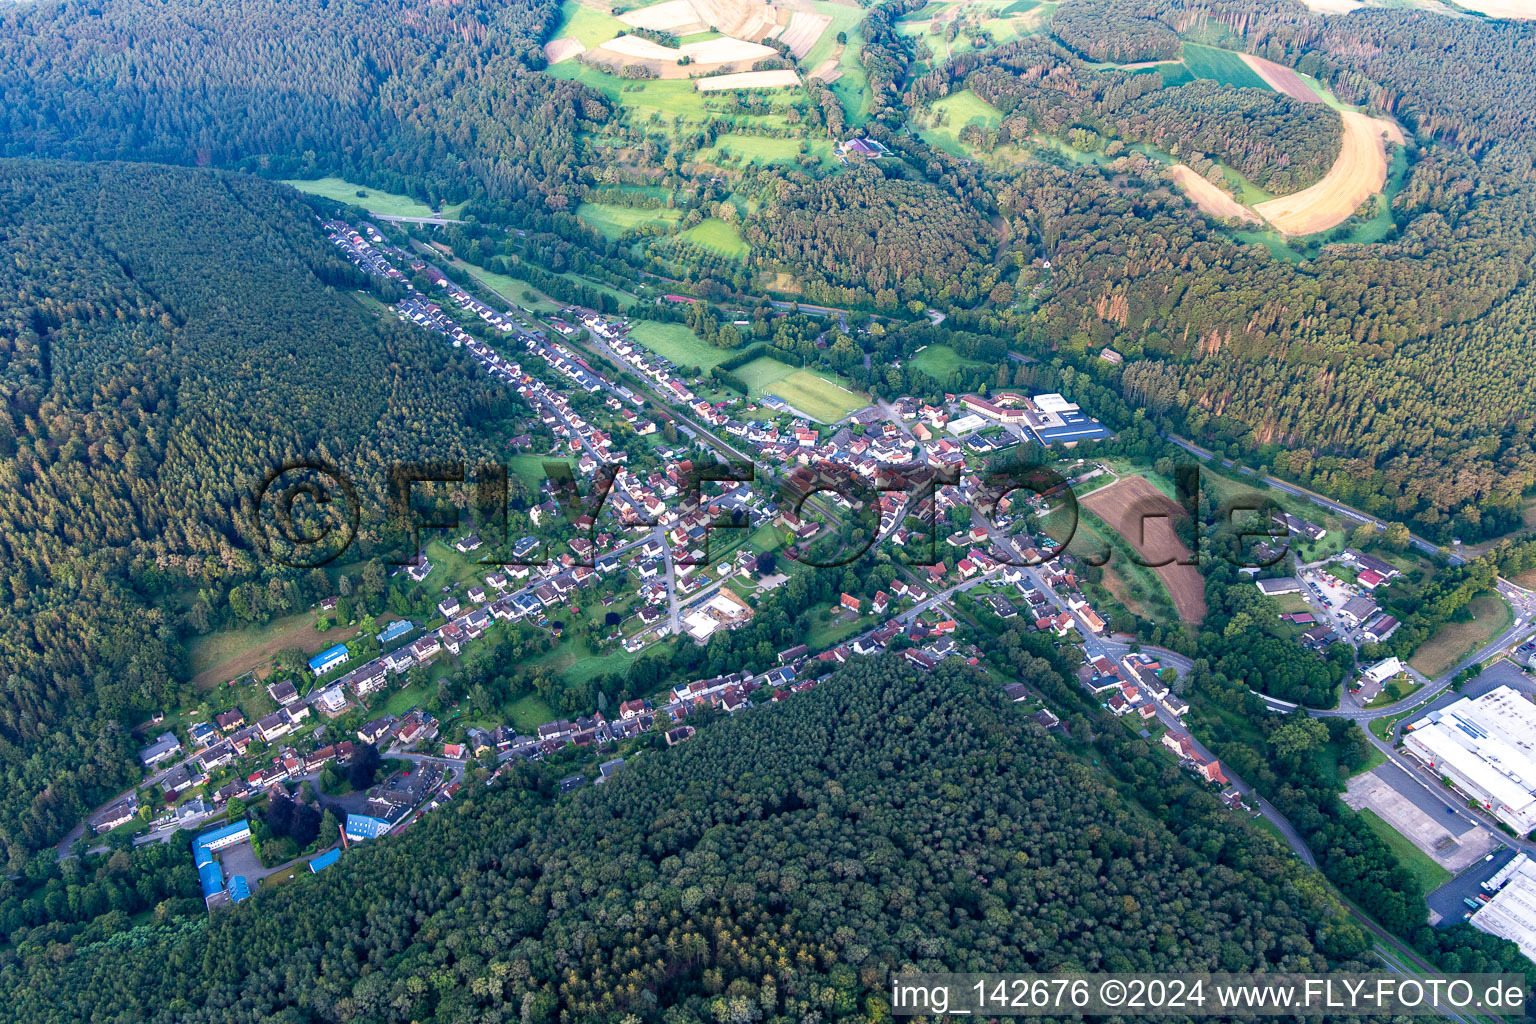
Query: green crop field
(677, 343)
(1221, 66)
(718, 237)
(672, 99)
(1019, 7)
(587, 26)
(613, 221)
(386, 204)
(813, 394)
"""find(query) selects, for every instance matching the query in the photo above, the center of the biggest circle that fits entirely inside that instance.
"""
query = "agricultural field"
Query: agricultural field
(677, 343)
(1359, 172)
(1122, 506)
(587, 25)
(385, 204)
(1491, 615)
(815, 395)
(1223, 66)
(1209, 197)
(718, 237)
(670, 99)
(614, 221)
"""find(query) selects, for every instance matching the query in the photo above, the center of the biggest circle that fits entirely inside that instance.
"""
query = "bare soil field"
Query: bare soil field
(1281, 79)
(1143, 517)
(1360, 171)
(1209, 197)
(557, 50)
(675, 16)
(803, 31)
(1516, 10)
(749, 80)
(828, 71)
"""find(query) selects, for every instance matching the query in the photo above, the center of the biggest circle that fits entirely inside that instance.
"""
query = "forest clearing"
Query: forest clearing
(1143, 517)
(1359, 172)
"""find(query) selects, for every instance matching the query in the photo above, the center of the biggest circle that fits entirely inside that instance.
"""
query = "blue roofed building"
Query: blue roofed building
(325, 860)
(328, 659)
(209, 872)
(365, 826)
(395, 630)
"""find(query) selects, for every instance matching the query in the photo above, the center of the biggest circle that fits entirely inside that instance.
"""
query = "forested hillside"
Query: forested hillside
(429, 98)
(168, 337)
(1394, 375)
(780, 864)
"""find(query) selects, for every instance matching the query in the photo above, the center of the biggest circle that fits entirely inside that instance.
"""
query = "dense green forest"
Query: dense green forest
(169, 337)
(428, 98)
(780, 864)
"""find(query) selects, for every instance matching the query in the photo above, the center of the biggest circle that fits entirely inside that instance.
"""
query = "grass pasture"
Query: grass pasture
(759, 150)
(613, 221)
(671, 99)
(940, 362)
(511, 288)
(385, 204)
(677, 343)
(586, 25)
(1491, 615)
(718, 237)
(1222, 66)
(813, 394)
(1430, 875)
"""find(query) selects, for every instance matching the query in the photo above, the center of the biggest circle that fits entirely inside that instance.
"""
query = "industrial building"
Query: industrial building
(1486, 747)
(1511, 914)
(211, 873)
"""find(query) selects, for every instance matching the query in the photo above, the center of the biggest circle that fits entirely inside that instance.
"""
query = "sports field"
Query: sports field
(677, 343)
(718, 237)
(386, 204)
(813, 394)
(1221, 66)
(613, 221)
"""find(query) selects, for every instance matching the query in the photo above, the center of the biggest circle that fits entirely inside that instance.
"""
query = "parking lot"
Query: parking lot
(1447, 836)
(1446, 906)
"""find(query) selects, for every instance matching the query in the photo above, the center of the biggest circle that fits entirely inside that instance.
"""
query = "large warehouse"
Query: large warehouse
(1511, 914)
(1486, 746)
